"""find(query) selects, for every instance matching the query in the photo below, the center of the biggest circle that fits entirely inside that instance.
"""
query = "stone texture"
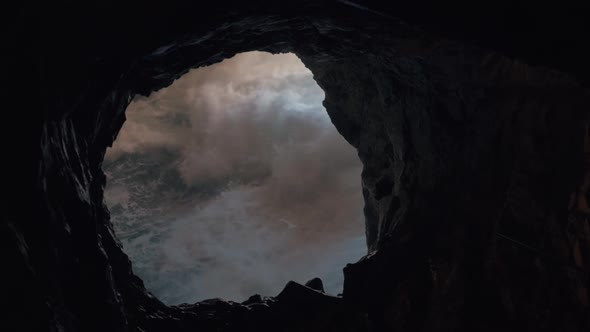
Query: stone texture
(475, 167)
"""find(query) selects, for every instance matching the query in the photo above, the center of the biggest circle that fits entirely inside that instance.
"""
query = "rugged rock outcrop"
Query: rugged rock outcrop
(475, 169)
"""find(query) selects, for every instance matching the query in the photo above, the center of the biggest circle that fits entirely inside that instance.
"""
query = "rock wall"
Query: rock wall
(475, 173)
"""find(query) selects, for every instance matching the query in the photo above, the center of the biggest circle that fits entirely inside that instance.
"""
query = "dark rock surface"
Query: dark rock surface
(475, 164)
(316, 284)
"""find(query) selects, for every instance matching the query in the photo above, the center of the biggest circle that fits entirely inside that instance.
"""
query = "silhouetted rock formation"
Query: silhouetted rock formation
(316, 284)
(476, 201)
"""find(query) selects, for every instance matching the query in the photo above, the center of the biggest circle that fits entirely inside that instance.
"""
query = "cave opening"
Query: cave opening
(234, 181)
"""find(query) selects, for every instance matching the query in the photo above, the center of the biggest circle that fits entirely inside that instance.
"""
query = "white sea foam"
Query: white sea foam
(234, 181)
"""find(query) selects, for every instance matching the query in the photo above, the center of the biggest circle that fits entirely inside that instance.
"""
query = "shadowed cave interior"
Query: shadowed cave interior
(470, 121)
(233, 181)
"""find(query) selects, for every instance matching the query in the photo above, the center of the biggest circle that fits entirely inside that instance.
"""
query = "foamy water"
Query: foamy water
(233, 181)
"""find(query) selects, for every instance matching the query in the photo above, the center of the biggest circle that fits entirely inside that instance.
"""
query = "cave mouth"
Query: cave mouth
(233, 181)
